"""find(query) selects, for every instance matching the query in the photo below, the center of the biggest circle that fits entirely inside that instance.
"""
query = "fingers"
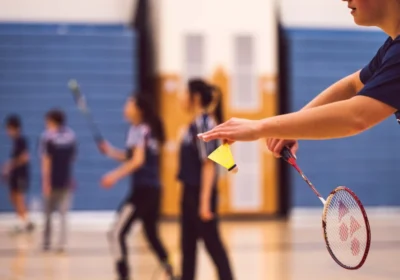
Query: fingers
(294, 148)
(272, 144)
(276, 146)
(227, 141)
(216, 133)
(279, 146)
(276, 143)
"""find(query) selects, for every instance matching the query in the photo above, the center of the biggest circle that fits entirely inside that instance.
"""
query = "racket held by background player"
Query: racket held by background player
(80, 101)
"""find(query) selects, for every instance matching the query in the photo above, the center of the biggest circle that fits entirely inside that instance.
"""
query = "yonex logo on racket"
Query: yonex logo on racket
(345, 232)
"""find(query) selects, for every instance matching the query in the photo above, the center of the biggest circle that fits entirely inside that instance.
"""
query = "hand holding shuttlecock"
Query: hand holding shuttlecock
(223, 156)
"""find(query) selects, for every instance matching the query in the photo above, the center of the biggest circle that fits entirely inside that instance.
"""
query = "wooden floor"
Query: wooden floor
(258, 250)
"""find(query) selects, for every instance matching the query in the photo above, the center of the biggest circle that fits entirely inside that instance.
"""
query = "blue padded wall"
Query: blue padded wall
(36, 62)
(368, 163)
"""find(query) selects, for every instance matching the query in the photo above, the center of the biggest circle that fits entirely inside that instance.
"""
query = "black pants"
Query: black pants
(144, 204)
(193, 228)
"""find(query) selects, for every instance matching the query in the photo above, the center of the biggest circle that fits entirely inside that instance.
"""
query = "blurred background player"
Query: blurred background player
(141, 160)
(199, 176)
(58, 151)
(16, 172)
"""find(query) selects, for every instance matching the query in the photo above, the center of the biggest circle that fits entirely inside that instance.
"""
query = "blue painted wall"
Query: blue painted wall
(36, 62)
(368, 163)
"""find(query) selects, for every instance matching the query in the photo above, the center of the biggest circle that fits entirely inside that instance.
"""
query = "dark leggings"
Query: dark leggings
(144, 204)
(193, 228)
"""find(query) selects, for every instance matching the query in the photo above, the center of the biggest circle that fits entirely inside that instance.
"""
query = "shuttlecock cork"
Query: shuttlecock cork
(223, 156)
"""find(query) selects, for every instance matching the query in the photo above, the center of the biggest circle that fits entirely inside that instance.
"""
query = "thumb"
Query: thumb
(294, 149)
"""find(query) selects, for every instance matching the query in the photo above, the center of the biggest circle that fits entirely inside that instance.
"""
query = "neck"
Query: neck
(391, 23)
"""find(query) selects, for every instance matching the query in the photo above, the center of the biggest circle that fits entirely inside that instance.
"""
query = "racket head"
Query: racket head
(78, 96)
(80, 101)
(346, 228)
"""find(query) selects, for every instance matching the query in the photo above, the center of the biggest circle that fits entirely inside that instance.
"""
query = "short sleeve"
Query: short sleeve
(370, 69)
(21, 147)
(136, 136)
(204, 124)
(384, 85)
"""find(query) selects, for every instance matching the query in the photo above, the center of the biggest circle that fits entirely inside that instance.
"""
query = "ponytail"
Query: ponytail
(151, 117)
(215, 106)
(211, 97)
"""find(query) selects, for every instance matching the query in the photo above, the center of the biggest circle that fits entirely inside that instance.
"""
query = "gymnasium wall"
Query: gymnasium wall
(325, 45)
(45, 43)
(232, 44)
(87, 11)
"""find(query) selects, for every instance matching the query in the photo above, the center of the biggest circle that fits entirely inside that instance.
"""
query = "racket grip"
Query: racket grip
(287, 154)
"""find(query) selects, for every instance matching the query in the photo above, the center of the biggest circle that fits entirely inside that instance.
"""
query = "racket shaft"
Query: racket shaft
(81, 104)
(309, 183)
(93, 127)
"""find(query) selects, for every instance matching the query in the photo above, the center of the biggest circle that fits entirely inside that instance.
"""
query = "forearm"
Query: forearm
(335, 120)
(125, 169)
(207, 180)
(45, 173)
(116, 154)
(18, 161)
(344, 89)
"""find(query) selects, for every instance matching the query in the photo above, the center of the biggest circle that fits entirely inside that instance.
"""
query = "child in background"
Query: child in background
(140, 161)
(16, 172)
(199, 176)
(58, 151)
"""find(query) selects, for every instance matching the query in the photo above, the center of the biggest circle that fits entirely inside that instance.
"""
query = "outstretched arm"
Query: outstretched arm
(335, 120)
(111, 152)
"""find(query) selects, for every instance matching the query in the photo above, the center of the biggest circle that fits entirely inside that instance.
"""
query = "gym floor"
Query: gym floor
(271, 250)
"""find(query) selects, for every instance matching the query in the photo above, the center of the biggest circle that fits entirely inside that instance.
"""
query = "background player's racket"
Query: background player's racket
(345, 223)
(80, 101)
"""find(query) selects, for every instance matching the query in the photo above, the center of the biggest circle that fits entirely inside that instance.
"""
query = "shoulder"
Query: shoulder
(67, 135)
(70, 133)
(392, 52)
(144, 128)
(46, 135)
(138, 129)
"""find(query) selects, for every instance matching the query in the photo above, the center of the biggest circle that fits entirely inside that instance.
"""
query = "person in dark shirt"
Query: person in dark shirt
(348, 107)
(58, 151)
(16, 170)
(140, 161)
(198, 174)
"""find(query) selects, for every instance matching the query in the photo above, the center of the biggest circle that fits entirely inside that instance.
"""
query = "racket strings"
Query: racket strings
(346, 231)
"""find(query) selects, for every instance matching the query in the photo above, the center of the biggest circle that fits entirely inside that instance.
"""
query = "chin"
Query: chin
(363, 22)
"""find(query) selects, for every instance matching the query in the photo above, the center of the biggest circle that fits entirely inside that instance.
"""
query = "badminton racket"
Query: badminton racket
(81, 103)
(345, 223)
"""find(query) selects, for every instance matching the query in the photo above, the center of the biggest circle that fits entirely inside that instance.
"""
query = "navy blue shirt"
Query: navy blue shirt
(381, 77)
(194, 152)
(60, 146)
(148, 174)
(19, 147)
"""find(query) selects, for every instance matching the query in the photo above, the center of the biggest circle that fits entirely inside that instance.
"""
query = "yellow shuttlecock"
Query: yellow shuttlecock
(223, 156)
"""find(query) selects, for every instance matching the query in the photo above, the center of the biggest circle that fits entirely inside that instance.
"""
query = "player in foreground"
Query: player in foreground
(348, 107)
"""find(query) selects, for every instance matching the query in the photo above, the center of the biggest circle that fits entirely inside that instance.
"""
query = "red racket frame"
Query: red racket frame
(366, 221)
(289, 158)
